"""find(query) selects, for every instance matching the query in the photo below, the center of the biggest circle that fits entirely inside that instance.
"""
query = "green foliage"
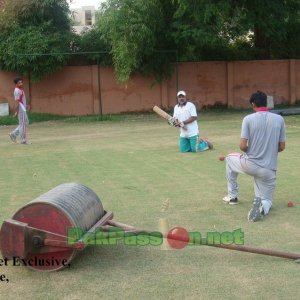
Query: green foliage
(34, 41)
(240, 29)
(92, 41)
(131, 27)
(31, 29)
(35, 12)
(272, 22)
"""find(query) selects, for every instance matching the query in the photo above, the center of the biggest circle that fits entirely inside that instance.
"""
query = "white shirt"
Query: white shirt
(19, 95)
(182, 113)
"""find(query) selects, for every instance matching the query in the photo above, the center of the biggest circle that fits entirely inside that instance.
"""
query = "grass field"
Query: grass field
(133, 165)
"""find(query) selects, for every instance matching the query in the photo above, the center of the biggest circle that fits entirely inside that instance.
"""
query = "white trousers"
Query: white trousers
(21, 129)
(264, 179)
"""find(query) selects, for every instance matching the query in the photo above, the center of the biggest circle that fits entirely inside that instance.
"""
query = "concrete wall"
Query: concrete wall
(84, 90)
(72, 91)
(204, 82)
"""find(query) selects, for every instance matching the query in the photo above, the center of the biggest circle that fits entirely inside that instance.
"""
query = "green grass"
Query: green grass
(44, 117)
(37, 118)
(133, 165)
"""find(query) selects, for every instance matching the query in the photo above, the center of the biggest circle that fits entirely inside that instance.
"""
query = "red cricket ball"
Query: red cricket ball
(290, 204)
(178, 238)
(221, 158)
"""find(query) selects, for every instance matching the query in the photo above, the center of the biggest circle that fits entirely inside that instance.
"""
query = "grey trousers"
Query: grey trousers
(264, 179)
(21, 129)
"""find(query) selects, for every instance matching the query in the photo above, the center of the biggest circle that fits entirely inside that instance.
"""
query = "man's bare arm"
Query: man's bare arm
(244, 144)
(189, 120)
(281, 146)
(15, 108)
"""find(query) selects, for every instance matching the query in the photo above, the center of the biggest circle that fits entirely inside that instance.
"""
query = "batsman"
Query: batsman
(185, 116)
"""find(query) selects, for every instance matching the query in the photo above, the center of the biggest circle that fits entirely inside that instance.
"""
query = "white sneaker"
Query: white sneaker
(13, 137)
(230, 200)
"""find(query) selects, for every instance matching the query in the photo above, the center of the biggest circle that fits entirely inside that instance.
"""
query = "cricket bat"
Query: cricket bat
(167, 117)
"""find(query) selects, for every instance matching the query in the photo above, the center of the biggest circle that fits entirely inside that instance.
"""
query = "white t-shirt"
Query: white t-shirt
(182, 113)
(19, 95)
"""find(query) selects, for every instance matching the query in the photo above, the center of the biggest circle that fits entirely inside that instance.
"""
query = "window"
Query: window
(88, 17)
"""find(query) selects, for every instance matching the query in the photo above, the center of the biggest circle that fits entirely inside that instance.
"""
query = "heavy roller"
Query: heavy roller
(37, 234)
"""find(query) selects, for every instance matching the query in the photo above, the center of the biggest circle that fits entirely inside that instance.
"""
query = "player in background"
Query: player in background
(262, 137)
(185, 113)
(20, 110)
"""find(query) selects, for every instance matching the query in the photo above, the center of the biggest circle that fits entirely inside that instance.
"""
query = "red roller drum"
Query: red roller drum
(65, 206)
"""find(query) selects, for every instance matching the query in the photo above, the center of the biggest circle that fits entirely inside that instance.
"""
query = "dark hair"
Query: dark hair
(259, 98)
(16, 80)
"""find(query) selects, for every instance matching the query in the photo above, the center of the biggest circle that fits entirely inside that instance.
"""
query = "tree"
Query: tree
(272, 22)
(91, 41)
(133, 29)
(29, 30)
(262, 29)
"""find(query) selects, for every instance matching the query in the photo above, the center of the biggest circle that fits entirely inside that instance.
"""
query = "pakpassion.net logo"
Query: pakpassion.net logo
(177, 237)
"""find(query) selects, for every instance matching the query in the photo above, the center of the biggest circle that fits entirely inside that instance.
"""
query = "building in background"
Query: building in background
(83, 18)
